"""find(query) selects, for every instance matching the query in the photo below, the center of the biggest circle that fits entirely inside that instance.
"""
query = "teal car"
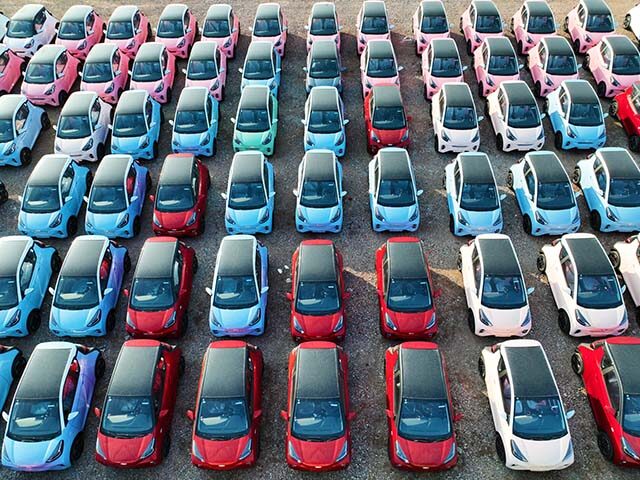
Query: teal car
(256, 122)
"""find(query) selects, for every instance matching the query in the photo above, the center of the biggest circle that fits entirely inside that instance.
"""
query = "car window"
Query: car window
(195, 180)
(564, 102)
(91, 18)
(569, 275)
(136, 20)
(606, 55)
(505, 387)
(26, 270)
(502, 102)
(95, 113)
(472, 15)
(131, 181)
(187, 19)
(4, 61)
(525, 16)
(457, 179)
(21, 117)
(477, 268)
(148, 111)
(581, 14)
(105, 270)
(67, 182)
(158, 384)
(61, 63)
(613, 387)
(209, 109)
(39, 19)
(601, 177)
(265, 174)
(376, 176)
(542, 53)
(635, 98)
(69, 388)
(485, 54)
(530, 181)
(116, 60)
(396, 388)
(258, 266)
(385, 273)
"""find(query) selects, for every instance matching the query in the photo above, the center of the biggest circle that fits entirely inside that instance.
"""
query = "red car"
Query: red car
(419, 409)
(135, 422)
(609, 369)
(318, 415)
(626, 108)
(385, 120)
(160, 289)
(226, 432)
(180, 202)
(405, 292)
(317, 292)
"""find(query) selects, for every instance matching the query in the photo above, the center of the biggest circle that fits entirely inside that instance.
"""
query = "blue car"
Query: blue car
(262, 66)
(472, 195)
(21, 123)
(393, 197)
(136, 125)
(319, 193)
(324, 122)
(26, 267)
(240, 286)
(116, 198)
(544, 194)
(12, 364)
(576, 116)
(88, 287)
(53, 197)
(195, 125)
(610, 181)
(250, 194)
(50, 407)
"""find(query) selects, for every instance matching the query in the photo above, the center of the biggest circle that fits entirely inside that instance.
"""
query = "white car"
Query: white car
(584, 286)
(625, 259)
(455, 120)
(497, 298)
(30, 28)
(532, 431)
(632, 21)
(4, 23)
(83, 127)
(515, 117)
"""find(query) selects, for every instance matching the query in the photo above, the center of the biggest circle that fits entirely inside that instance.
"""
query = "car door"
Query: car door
(70, 201)
(566, 283)
(262, 271)
(74, 398)
(23, 124)
(503, 401)
(527, 194)
(596, 191)
(607, 411)
(31, 292)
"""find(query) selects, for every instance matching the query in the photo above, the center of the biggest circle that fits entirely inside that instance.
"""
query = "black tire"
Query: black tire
(469, 50)
(541, 263)
(558, 141)
(585, 62)
(100, 151)
(595, 220)
(127, 263)
(182, 366)
(99, 367)
(25, 157)
(526, 224)
(77, 447)
(459, 262)
(33, 321)
(480, 89)
(601, 89)
(17, 367)
(136, 226)
(169, 95)
(565, 24)
(166, 446)
(202, 226)
(88, 181)
(614, 258)
(575, 177)
(576, 363)
(520, 48)
(452, 225)
(194, 266)
(537, 89)
(482, 371)
(424, 92)
(634, 143)
(563, 322)
(499, 142)
(436, 143)
(626, 23)
(156, 150)
(149, 32)
(111, 321)
(500, 449)
(613, 109)
(576, 46)
(510, 180)
(45, 123)
(184, 324)
(605, 446)
(148, 183)
(471, 321)
(56, 263)
(72, 226)
(62, 97)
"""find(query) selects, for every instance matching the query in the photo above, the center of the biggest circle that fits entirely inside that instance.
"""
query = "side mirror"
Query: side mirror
(55, 127)
(257, 414)
(222, 70)
(224, 195)
(5, 416)
(392, 26)
(400, 68)
(125, 292)
(389, 414)
(530, 290)
(345, 122)
(272, 194)
(97, 412)
(73, 415)
(289, 296)
(419, 192)
(184, 70)
(284, 415)
(295, 192)
(171, 122)
(190, 415)
(233, 120)
(457, 417)
(188, 30)
(86, 199)
(29, 291)
(346, 295)
(605, 115)
(351, 416)
(138, 30)
(134, 198)
(303, 121)
(306, 27)
(305, 69)
(503, 196)
(20, 198)
(623, 289)
(343, 193)
(437, 293)
(264, 290)
(209, 291)
(571, 414)
(167, 71)
(108, 291)
(52, 291)
(542, 116)
(241, 70)
(480, 118)
(520, 66)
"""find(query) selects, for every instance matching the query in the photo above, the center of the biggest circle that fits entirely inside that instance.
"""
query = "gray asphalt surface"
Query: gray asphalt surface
(357, 242)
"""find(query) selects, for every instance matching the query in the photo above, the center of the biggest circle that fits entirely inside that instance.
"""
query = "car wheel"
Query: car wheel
(537, 88)
(99, 368)
(45, 123)
(25, 157)
(136, 226)
(627, 22)
(481, 368)
(17, 367)
(149, 32)
(436, 143)
(500, 449)
(576, 46)
(72, 226)
(585, 62)
(184, 323)
(166, 446)
(148, 183)
(33, 321)
(576, 363)
(499, 142)
(459, 262)
(541, 262)
(558, 141)
(575, 177)
(202, 226)
(156, 150)
(565, 24)
(194, 265)
(634, 143)
(595, 220)
(424, 92)
(614, 258)
(88, 180)
(613, 109)
(182, 366)
(480, 89)
(564, 323)
(469, 50)
(471, 321)
(62, 97)
(510, 180)
(520, 48)
(452, 225)
(127, 263)
(77, 447)
(55, 262)
(111, 321)
(213, 148)
(526, 224)
(604, 445)
(601, 89)
(169, 94)
(100, 151)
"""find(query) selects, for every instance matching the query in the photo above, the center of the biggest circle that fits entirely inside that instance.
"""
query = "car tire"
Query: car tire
(166, 446)
(520, 47)
(537, 89)
(33, 321)
(213, 148)
(56, 263)
(471, 321)
(564, 323)
(182, 365)
(111, 321)
(500, 449)
(469, 50)
(510, 180)
(585, 62)
(436, 143)
(169, 95)
(576, 46)
(127, 263)
(482, 371)
(565, 24)
(100, 367)
(627, 22)
(100, 151)
(62, 97)
(148, 183)
(613, 109)
(601, 89)
(194, 265)
(72, 226)
(575, 177)
(558, 141)
(184, 324)
(136, 226)
(459, 262)
(149, 33)
(202, 226)
(76, 448)
(17, 367)
(88, 180)
(576, 363)
(156, 150)
(526, 224)
(480, 89)
(45, 123)
(452, 225)
(614, 258)
(605, 446)
(25, 157)
(499, 142)
(595, 220)
(424, 92)
(541, 263)
(634, 143)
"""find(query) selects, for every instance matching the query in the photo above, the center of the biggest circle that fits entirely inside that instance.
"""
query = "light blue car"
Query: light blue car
(115, 202)
(240, 286)
(576, 116)
(472, 195)
(26, 267)
(21, 123)
(262, 66)
(249, 199)
(53, 197)
(50, 407)
(610, 181)
(319, 193)
(12, 364)
(195, 125)
(324, 122)
(136, 125)
(88, 287)
(393, 197)
(544, 194)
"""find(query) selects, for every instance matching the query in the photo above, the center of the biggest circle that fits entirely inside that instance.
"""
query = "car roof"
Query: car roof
(225, 373)
(373, 8)
(101, 52)
(76, 13)
(530, 372)
(48, 53)
(203, 50)
(123, 13)
(324, 49)
(134, 371)
(156, 259)
(261, 49)
(323, 10)
(625, 358)
(581, 91)
(192, 98)
(43, 375)
(486, 7)
(173, 11)
(619, 163)
(498, 255)
(112, 170)
(236, 255)
(432, 8)
(218, 11)
(13, 249)
(547, 167)
(27, 12)
(387, 96)
(324, 98)
(84, 256)
(444, 48)
(500, 46)
(319, 165)
(597, 7)
(394, 164)
(149, 52)
(267, 10)
(254, 96)
(317, 374)
(380, 48)
(588, 255)
(177, 170)
(316, 262)
(422, 375)
(538, 8)
(518, 93)
(247, 167)
(622, 45)
(458, 94)
(9, 103)
(406, 260)
(78, 103)
(131, 101)
(476, 168)
(48, 170)
(557, 45)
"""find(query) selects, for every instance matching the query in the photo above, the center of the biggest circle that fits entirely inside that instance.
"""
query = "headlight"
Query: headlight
(265, 216)
(82, 45)
(627, 449)
(196, 451)
(611, 215)
(129, 321)
(527, 320)
(476, 38)
(256, 319)
(569, 455)
(95, 320)
(485, 320)
(227, 44)
(343, 451)
(296, 325)
(181, 43)
(570, 132)
(588, 39)
(30, 43)
(205, 140)
(541, 135)
(160, 87)
(510, 135)
(445, 137)
(452, 453)
(374, 137)
(192, 219)
(378, 214)
(476, 137)
(172, 320)
(432, 322)
(278, 43)
(215, 321)
(267, 139)
(149, 450)
(56, 221)
(110, 88)
(548, 81)
(461, 219)
(339, 324)
(498, 220)
(99, 450)
(292, 452)
(368, 85)
(540, 219)
(414, 215)
(124, 221)
(603, 134)
(215, 85)
(300, 215)
(88, 145)
(50, 90)
(10, 148)
(516, 452)
(336, 216)
(625, 319)
(389, 323)
(145, 143)
(246, 452)
(309, 141)
(580, 318)
(340, 139)
(131, 44)
(400, 453)
(614, 82)
(529, 39)
(490, 81)
(14, 319)
(229, 219)
(405, 136)
(433, 84)
(57, 452)
(156, 222)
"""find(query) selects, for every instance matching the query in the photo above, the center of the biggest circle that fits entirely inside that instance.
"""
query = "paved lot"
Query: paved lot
(363, 344)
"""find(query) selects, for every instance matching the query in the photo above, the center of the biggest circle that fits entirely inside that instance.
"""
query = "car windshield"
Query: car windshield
(586, 115)
(8, 292)
(524, 116)
(626, 65)
(503, 292)
(71, 30)
(147, 71)
(41, 199)
(235, 292)
(76, 292)
(381, 68)
(598, 291)
(170, 29)
(503, 65)
(253, 120)
(446, 67)
(324, 121)
(323, 26)
(389, 118)
(152, 294)
(409, 295)
(6, 130)
(258, 69)
(317, 419)
(40, 73)
(319, 194)
(107, 199)
(538, 418)
(73, 127)
(317, 298)
(631, 414)
(202, 70)
(541, 24)
(396, 193)
(247, 195)
(20, 29)
(624, 192)
(479, 197)
(600, 23)
(562, 65)
(190, 121)
(266, 27)
(119, 30)
(555, 196)
(324, 68)
(174, 198)
(434, 24)
(374, 25)
(129, 125)
(34, 420)
(217, 28)
(222, 418)
(460, 118)
(97, 72)
(127, 416)
(424, 420)
(489, 24)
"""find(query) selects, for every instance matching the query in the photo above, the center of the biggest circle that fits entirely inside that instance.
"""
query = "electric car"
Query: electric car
(106, 72)
(625, 107)
(128, 28)
(378, 66)
(531, 23)
(429, 22)
(385, 120)
(495, 61)
(50, 76)
(12, 363)
(324, 121)
(207, 67)
(221, 25)
(324, 66)
(136, 125)
(455, 120)
(177, 29)
(256, 121)
(154, 70)
(81, 27)
(372, 23)
(323, 24)
(195, 124)
(588, 23)
(21, 123)
(551, 62)
(624, 258)
(480, 20)
(29, 29)
(11, 68)
(614, 64)
(441, 65)
(262, 66)
(271, 24)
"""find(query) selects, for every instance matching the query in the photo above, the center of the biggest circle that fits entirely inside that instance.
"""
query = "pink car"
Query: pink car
(128, 28)
(614, 64)
(440, 64)
(378, 66)
(372, 23)
(550, 63)
(106, 72)
(271, 25)
(154, 70)
(80, 29)
(495, 62)
(530, 23)
(222, 26)
(177, 29)
(11, 67)
(588, 23)
(207, 68)
(323, 24)
(429, 22)
(479, 21)
(50, 75)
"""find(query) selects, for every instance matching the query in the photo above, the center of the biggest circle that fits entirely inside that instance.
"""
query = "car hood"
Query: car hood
(37, 220)
(73, 45)
(200, 83)
(423, 454)
(5, 316)
(105, 221)
(251, 138)
(325, 140)
(124, 450)
(171, 220)
(586, 134)
(246, 217)
(221, 452)
(559, 217)
(603, 318)
(318, 325)
(526, 134)
(38, 89)
(235, 319)
(190, 139)
(389, 137)
(440, 81)
(373, 36)
(396, 214)
(71, 144)
(150, 321)
(505, 318)
(463, 137)
(268, 82)
(320, 454)
(409, 322)
(29, 453)
(323, 82)
(543, 452)
(73, 319)
(481, 219)
(16, 44)
(169, 42)
(94, 87)
(629, 215)
(148, 86)
(318, 215)
(127, 143)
